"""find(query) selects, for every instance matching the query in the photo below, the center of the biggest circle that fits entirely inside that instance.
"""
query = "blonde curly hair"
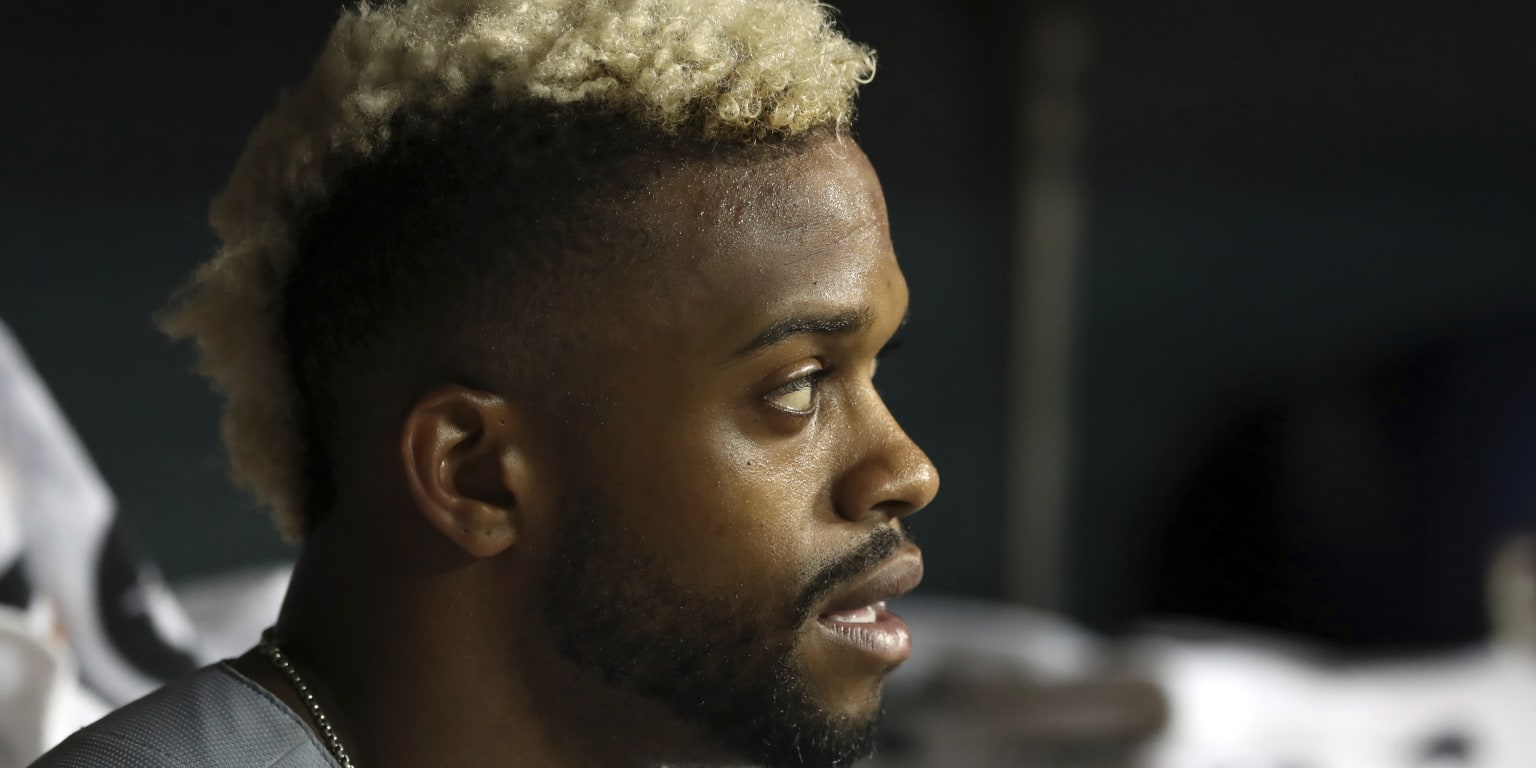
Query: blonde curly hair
(713, 72)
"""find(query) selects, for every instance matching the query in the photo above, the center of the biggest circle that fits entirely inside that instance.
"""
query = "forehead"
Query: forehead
(750, 241)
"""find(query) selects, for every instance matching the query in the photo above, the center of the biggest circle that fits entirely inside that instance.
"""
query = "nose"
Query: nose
(891, 479)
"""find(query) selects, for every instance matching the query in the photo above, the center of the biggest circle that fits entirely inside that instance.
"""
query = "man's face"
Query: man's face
(734, 507)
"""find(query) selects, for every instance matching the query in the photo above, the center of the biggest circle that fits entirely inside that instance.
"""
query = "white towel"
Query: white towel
(58, 522)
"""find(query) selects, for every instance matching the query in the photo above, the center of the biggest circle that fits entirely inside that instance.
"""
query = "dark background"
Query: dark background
(1273, 191)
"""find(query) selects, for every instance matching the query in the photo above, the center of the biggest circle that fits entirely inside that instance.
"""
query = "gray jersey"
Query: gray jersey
(214, 718)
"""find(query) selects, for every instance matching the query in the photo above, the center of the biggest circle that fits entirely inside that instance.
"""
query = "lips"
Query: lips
(856, 618)
(896, 577)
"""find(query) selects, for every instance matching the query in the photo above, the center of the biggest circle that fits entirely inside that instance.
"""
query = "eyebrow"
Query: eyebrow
(839, 324)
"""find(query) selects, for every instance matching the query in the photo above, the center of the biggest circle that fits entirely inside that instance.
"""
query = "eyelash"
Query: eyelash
(815, 377)
(804, 382)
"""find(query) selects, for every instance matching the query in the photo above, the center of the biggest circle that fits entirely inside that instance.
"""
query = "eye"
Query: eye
(799, 396)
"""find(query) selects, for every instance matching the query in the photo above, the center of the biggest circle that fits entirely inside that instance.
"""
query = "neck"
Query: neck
(415, 662)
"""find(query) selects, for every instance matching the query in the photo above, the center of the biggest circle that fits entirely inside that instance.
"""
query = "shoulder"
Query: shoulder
(214, 717)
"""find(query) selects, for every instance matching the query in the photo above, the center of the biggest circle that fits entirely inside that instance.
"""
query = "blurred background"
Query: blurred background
(1223, 312)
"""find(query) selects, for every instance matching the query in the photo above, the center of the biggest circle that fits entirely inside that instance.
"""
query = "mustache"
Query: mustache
(881, 545)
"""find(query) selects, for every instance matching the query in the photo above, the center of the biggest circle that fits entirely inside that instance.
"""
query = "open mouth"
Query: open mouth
(859, 620)
(869, 614)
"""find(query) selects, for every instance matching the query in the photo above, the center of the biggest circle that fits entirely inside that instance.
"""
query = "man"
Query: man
(549, 329)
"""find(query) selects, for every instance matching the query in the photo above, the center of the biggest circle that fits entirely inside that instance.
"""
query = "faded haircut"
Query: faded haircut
(356, 214)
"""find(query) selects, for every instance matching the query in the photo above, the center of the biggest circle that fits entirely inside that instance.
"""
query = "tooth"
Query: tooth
(865, 615)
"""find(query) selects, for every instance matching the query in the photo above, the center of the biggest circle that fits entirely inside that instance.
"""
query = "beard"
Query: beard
(725, 666)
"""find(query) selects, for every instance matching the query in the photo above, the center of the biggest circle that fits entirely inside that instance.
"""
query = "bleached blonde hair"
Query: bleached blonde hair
(725, 71)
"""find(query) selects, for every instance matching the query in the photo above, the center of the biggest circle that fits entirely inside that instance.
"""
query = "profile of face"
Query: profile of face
(734, 513)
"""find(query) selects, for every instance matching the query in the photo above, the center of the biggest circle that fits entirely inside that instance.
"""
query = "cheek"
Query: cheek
(726, 509)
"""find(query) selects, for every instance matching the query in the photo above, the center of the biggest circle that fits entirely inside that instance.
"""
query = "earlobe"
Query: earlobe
(461, 453)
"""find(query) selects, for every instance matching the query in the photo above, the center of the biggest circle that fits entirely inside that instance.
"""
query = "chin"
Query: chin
(845, 694)
(820, 714)
(860, 703)
(846, 685)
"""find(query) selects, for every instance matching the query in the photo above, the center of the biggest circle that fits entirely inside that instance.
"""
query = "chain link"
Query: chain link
(327, 733)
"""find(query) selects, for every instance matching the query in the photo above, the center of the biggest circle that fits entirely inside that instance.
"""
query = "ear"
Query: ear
(466, 461)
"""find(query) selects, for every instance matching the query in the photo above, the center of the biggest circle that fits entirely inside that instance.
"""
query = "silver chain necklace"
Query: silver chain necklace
(327, 733)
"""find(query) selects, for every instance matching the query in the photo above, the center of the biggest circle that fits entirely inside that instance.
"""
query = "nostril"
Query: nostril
(888, 484)
(894, 510)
